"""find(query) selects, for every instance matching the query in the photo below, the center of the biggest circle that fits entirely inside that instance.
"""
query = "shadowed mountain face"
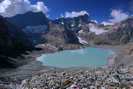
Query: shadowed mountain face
(71, 26)
(29, 19)
(13, 42)
(33, 24)
(59, 34)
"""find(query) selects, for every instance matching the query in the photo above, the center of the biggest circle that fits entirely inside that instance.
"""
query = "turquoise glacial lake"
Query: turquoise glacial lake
(88, 57)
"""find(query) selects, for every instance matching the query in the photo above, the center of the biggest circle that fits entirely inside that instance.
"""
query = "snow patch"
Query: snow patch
(117, 16)
(82, 41)
(96, 30)
(107, 23)
(81, 31)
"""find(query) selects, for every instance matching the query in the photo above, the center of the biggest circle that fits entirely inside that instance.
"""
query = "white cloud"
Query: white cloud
(39, 7)
(74, 14)
(9, 8)
(118, 16)
(82, 41)
(4, 5)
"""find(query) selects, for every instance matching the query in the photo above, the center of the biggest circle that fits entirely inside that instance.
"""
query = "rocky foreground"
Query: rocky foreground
(119, 77)
(100, 78)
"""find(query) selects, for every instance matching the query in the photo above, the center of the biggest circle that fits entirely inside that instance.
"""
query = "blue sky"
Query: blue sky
(98, 9)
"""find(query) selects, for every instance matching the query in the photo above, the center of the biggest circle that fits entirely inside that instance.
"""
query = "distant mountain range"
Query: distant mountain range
(23, 32)
(33, 24)
(29, 19)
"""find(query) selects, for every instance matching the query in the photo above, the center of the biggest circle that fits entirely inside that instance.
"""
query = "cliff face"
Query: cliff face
(13, 42)
(71, 26)
(74, 23)
(120, 33)
(79, 28)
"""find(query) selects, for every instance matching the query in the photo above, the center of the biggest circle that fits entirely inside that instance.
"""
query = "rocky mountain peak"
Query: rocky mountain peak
(29, 19)
(73, 21)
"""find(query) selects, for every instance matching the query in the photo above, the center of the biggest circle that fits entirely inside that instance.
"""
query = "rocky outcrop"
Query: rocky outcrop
(100, 78)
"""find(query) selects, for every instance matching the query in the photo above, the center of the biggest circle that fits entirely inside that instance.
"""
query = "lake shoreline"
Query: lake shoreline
(60, 76)
(34, 67)
(85, 57)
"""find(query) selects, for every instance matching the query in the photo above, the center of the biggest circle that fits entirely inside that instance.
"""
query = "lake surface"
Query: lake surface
(88, 57)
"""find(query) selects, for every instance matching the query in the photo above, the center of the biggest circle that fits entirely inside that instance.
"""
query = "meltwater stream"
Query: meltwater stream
(87, 57)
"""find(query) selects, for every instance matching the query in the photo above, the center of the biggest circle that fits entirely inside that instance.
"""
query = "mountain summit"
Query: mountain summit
(29, 19)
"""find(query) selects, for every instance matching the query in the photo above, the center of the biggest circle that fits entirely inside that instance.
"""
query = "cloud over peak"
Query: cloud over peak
(75, 14)
(117, 16)
(9, 8)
